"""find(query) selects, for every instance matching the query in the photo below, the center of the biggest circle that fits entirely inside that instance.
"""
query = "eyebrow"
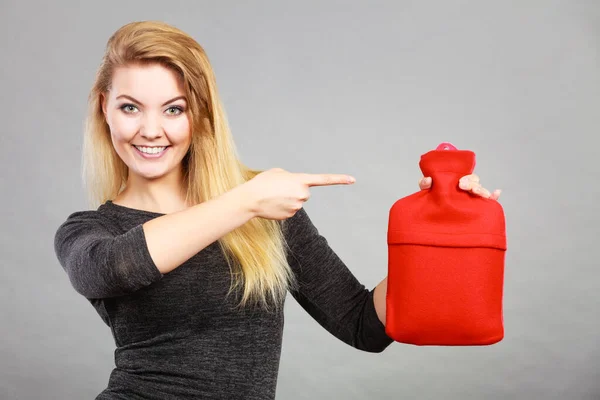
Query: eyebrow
(139, 102)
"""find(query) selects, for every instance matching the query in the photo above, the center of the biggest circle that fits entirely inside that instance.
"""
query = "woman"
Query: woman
(189, 254)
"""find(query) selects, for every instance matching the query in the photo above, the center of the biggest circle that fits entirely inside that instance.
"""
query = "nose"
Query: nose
(151, 127)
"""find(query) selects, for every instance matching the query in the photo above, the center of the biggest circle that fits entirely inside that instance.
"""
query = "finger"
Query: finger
(480, 191)
(326, 179)
(465, 183)
(474, 178)
(425, 183)
(496, 194)
(468, 182)
(306, 196)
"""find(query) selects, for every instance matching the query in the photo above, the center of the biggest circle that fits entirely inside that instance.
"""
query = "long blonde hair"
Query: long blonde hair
(255, 251)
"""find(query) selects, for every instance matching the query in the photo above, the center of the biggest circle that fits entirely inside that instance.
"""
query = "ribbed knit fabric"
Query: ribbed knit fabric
(179, 335)
(446, 252)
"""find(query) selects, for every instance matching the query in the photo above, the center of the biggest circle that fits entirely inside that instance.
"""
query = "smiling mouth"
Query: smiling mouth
(151, 150)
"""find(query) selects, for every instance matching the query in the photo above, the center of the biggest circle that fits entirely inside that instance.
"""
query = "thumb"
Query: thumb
(425, 183)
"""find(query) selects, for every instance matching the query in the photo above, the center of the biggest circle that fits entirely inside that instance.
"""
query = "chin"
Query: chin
(151, 175)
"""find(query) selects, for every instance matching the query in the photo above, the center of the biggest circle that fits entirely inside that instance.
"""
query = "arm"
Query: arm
(379, 298)
(329, 292)
(100, 264)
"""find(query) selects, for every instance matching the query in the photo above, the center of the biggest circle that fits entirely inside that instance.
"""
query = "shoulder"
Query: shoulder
(81, 217)
(88, 217)
(89, 222)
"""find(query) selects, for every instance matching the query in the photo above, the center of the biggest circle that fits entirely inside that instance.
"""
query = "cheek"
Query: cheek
(179, 130)
(124, 128)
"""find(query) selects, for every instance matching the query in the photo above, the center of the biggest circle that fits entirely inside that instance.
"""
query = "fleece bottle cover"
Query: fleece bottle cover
(446, 253)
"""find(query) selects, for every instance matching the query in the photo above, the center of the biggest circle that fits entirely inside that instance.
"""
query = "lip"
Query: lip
(151, 156)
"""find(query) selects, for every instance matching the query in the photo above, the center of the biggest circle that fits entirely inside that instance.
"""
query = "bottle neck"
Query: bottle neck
(446, 167)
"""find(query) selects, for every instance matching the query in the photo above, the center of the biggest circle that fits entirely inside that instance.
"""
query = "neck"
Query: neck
(164, 195)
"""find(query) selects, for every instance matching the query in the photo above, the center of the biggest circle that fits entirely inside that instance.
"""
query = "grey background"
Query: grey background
(333, 86)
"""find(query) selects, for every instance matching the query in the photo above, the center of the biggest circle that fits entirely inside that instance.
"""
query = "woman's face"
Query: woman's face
(149, 125)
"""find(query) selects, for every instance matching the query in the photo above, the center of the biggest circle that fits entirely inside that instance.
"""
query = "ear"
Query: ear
(103, 101)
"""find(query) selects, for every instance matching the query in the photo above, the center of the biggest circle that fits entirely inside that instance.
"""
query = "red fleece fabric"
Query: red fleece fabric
(446, 253)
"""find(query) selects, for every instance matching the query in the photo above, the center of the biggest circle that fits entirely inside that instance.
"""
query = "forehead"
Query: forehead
(152, 83)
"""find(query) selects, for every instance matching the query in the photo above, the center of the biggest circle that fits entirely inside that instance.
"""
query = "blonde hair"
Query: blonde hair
(255, 251)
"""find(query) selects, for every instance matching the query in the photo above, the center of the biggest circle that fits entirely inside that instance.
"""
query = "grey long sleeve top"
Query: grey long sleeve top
(178, 335)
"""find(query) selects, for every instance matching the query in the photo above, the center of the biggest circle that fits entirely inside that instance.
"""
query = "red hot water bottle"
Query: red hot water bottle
(446, 251)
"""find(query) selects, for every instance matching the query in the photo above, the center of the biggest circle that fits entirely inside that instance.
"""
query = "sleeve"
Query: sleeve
(328, 291)
(100, 264)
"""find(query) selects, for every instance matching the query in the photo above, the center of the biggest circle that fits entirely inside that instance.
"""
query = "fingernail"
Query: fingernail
(351, 179)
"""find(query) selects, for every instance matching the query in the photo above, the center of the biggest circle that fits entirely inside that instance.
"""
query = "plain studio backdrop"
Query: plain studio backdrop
(362, 88)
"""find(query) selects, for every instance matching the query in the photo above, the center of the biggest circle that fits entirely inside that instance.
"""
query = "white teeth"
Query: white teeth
(150, 150)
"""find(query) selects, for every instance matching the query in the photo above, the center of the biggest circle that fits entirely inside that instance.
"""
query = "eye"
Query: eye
(129, 108)
(175, 110)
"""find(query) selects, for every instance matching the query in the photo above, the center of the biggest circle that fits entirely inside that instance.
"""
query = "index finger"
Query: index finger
(326, 179)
